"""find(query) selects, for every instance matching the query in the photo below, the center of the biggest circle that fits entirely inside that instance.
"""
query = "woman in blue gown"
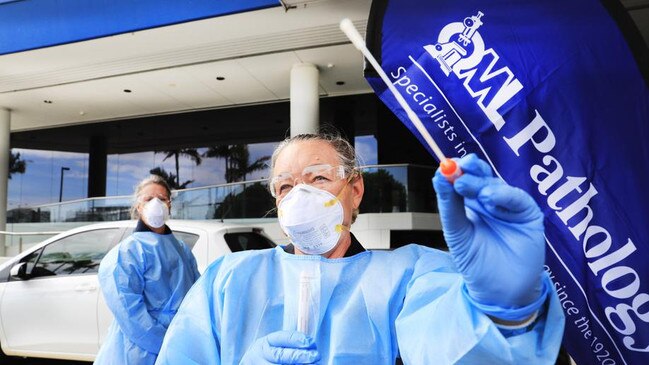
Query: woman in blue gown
(144, 279)
(325, 299)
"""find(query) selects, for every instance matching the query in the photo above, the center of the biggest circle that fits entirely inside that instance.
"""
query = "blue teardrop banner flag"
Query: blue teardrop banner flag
(554, 95)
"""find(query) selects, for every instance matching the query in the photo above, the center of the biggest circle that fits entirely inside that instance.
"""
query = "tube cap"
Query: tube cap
(450, 170)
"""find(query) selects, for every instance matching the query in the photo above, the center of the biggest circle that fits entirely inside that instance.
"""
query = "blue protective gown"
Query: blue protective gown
(371, 308)
(144, 279)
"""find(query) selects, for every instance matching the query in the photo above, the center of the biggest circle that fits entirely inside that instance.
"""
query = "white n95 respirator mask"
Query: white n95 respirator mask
(312, 218)
(155, 213)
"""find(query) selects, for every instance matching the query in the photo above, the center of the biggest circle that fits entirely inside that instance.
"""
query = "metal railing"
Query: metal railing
(388, 188)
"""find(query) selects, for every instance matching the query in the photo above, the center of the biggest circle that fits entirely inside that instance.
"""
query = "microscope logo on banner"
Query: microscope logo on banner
(460, 49)
(458, 44)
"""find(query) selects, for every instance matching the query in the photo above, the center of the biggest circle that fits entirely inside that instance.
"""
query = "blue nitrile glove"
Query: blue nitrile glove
(282, 347)
(495, 235)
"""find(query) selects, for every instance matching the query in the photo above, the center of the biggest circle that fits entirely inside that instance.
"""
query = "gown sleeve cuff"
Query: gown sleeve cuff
(513, 314)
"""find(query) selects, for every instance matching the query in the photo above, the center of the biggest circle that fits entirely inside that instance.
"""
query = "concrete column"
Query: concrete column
(305, 99)
(5, 150)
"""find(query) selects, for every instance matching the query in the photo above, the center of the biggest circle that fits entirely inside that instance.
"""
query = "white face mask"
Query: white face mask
(155, 213)
(312, 218)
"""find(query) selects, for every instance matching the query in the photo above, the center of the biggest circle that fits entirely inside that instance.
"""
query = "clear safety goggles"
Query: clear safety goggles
(321, 176)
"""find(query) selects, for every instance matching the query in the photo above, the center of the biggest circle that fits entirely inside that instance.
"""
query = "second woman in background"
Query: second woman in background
(144, 279)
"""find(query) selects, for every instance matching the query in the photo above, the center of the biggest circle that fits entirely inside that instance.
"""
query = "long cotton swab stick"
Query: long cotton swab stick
(449, 168)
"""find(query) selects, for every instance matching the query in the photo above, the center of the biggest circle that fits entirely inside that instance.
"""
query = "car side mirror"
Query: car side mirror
(19, 271)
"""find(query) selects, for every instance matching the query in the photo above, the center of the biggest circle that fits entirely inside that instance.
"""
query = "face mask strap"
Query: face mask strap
(340, 228)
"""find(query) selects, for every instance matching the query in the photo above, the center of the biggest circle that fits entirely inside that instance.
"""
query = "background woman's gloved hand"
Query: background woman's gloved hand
(495, 235)
(282, 347)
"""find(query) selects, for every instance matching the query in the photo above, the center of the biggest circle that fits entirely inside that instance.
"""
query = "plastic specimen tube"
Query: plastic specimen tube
(304, 303)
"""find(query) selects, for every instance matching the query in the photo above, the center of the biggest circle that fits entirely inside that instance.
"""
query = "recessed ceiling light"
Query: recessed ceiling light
(340, 82)
(127, 90)
(47, 101)
(220, 78)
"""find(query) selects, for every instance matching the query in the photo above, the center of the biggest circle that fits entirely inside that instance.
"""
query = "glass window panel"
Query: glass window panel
(366, 150)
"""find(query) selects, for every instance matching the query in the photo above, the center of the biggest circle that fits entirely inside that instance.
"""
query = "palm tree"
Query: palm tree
(241, 159)
(222, 151)
(171, 179)
(192, 153)
(237, 161)
(16, 164)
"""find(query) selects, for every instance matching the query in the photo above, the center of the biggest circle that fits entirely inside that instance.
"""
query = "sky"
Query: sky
(41, 182)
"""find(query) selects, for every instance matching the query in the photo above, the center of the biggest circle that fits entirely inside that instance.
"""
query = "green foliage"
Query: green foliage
(193, 155)
(16, 164)
(254, 201)
(237, 161)
(171, 179)
(383, 193)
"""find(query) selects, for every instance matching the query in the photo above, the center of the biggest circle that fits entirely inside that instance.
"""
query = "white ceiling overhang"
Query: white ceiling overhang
(174, 68)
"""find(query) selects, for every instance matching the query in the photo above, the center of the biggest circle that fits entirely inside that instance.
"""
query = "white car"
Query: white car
(50, 302)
